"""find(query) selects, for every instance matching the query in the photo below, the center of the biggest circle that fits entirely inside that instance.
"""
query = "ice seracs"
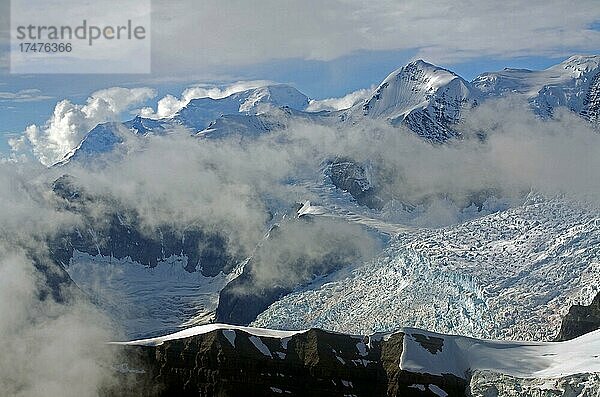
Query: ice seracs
(510, 275)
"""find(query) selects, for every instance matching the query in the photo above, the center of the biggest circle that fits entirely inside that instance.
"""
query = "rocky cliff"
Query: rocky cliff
(580, 320)
(312, 363)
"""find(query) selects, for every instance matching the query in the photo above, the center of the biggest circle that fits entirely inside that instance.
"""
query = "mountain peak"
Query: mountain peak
(253, 100)
(420, 66)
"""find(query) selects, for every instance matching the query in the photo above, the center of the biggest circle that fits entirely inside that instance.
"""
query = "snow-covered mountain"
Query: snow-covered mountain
(425, 97)
(572, 84)
(428, 99)
(196, 116)
(198, 113)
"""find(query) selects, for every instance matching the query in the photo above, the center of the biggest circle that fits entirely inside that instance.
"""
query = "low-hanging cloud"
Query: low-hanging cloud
(50, 348)
(298, 251)
(341, 103)
(226, 181)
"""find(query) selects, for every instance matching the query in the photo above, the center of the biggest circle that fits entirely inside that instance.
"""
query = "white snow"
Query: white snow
(457, 355)
(258, 343)
(362, 349)
(428, 97)
(460, 355)
(148, 300)
(564, 84)
(437, 391)
(285, 341)
(308, 209)
(203, 329)
(230, 335)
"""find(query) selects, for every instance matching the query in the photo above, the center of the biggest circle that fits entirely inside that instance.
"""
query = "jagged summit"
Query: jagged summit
(409, 88)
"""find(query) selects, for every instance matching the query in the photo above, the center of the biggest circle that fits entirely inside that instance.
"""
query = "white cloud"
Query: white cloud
(341, 103)
(28, 95)
(237, 33)
(169, 105)
(70, 122)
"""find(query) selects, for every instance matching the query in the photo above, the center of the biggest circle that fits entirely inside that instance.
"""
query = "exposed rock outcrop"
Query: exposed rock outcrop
(580, 320)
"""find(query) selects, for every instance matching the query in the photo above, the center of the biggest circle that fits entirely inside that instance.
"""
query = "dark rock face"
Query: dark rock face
(351, 177)
(591, 103)
(118, 233)
(242, 300)
(314, 363)
(580, 320)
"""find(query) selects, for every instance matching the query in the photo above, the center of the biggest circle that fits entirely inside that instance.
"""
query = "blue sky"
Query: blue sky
(321, 57)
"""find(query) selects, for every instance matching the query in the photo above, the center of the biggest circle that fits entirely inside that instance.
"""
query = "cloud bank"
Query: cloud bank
(448, 31)
(28, 95)
(341, 103)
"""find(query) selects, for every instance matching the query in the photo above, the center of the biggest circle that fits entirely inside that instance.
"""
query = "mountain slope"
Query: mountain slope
(569, 84)
(198, 113)
(426, 98)
(195, 116)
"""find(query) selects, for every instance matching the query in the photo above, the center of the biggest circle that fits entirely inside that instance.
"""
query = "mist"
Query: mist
(51, 348)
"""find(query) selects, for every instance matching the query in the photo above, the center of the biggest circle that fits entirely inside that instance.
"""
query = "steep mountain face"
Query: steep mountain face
(249, 126)
(591, 104)
(229, 361)
(572, 84)
(103, 138)
(119, 234)
(426, 98)
(107, 138)
(226, 360)
(350, 176)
